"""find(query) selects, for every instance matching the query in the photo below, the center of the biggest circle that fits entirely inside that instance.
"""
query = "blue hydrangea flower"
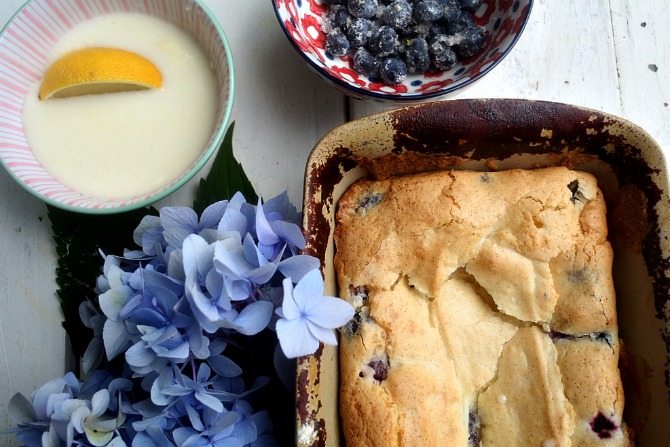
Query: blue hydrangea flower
(275, 234)
(64, 411)
(171, 308)
(307, 316)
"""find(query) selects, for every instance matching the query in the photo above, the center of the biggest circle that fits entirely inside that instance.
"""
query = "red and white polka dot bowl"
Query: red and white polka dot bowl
(502, 20)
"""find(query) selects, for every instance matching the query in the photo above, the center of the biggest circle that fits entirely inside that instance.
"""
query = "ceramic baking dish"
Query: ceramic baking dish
(500, 134)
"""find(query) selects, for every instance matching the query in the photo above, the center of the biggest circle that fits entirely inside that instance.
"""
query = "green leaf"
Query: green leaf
(225, 178)
(79, 238)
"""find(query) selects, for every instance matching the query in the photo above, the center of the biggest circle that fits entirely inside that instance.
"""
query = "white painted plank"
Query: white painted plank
(565, 54)
(33, 344)
(281, 110)
(642, 44)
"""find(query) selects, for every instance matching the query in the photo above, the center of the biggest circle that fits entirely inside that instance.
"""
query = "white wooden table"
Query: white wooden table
(611, 55)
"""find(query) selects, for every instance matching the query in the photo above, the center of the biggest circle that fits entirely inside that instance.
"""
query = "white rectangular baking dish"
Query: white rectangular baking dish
(502, 134)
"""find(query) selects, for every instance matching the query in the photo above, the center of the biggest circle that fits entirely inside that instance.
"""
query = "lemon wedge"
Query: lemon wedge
(98, 70)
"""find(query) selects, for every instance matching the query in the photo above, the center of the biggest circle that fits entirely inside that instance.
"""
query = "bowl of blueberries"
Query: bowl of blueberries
(402, 51)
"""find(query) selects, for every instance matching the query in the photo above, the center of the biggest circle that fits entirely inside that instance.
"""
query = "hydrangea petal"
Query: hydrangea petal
(245, 431)
(148, 318)
(229, 258)
(290, 233)
(147, 223)
(251, 253)
(289, 309)
(295, 338)
(281, 205)
(210, 401)
(200, 301)
(156, 283)
(97, 437)
(264, 230)
(99, 403)
(224, 422)
(139, 356)
(224, 367)
(182, 435)
(308, 289)
(233, 220)
(238, 290)
(78, 413)
(175, 267)
(211, 216)
(41, 396)
(262, 421)
(93, 354)
(296, 267)
(153, 437)
(180, 217)
(262, 274)
(191, 249)
(151, 240)
(326, 335)
(329, 312)
(253, 318)
(50, 438)
(194, 418)
(175, 236)
(115, 337)
(112, 301)
(20, 410)
(179, 352)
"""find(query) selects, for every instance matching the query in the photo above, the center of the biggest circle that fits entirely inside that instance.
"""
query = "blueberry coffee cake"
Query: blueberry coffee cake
(485, 311)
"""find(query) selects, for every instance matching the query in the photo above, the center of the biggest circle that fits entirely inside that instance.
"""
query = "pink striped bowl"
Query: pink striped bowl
(24, 45)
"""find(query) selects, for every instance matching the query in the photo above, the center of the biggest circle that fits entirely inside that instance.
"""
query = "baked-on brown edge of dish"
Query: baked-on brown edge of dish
(496, 134)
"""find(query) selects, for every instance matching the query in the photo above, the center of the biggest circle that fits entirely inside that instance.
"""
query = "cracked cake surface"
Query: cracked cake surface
(485, 311)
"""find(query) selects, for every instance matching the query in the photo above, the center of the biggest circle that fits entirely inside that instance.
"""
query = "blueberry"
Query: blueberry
(353, 325)
(416, 55)
(367, 64)
(578, 276)
(393, 71)
(358, 32)
(556, 335)
(337, 43)
(463, 21)
(472, 40)
(398, 14)
(603, 426)
(337, 17)
(451, 9)
(442, 55)
(361, 293)
(470, 5)
(383, 41)
(474, 427)
(380, 367)
(417, 30)
(366, 9)
(427, 11)
(577, 195)
(435, 29)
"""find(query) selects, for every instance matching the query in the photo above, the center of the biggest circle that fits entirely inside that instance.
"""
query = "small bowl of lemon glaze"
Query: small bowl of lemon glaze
(110, 105)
